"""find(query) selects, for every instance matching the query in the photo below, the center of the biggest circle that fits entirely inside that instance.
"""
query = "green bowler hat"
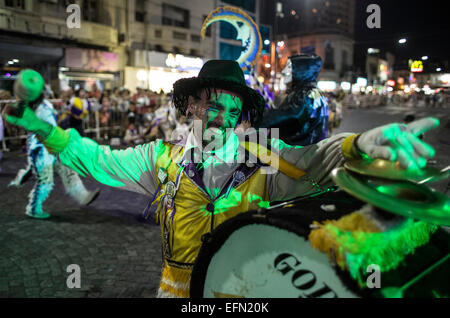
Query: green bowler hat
(28, 85)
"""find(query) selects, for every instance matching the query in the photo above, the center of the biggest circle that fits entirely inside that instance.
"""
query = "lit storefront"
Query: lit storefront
(163, 70)
(84, 67)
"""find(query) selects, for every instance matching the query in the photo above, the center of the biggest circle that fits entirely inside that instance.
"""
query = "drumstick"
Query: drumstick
(397, 292)
(311, 195)
(443, 174)
(283, 166)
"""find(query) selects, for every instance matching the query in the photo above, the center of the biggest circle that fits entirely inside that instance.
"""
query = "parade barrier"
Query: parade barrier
(94, 124)
(91, 124)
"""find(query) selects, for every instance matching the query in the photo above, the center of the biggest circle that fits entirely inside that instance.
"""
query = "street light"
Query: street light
(402, 41)
(424, 58)
(438, 69)
(266, 42)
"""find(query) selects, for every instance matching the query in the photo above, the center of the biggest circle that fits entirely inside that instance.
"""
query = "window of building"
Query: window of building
(158, 34)
(19, 4)
(139, 11)
(195, 38)
(89, 10)
(194, 52)
(265, 38)
(344, 60)
(139, 16)
(229, 52)
(175, 16)
(329, 57)
(248, 5)
(179, 36)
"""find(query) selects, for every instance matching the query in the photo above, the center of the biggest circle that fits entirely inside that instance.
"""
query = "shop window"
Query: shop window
(175, 16)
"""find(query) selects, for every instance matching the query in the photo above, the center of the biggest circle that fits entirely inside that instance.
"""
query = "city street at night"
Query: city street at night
(206, 150)
(119, 254)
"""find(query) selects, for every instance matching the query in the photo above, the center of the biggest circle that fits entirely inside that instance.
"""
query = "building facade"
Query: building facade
(119, 42)
(325, 28)
(37, 34)
(164, 42)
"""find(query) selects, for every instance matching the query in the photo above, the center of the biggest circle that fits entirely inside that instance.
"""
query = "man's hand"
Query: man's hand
(29, 121)
(399, 142)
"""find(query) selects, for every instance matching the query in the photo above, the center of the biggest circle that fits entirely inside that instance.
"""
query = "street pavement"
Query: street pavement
(119, 255)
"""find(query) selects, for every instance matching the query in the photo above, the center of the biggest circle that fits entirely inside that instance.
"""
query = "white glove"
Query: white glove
(399, 142)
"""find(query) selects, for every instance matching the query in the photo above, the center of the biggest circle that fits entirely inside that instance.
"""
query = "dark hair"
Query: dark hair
(252, 108)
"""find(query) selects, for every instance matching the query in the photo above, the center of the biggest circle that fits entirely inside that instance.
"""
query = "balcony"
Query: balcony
(21, 21)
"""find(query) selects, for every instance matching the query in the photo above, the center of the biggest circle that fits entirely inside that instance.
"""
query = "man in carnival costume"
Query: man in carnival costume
(194, 188)
(29, 87)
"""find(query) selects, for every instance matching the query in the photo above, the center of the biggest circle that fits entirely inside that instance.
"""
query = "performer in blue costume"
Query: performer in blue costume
(28, 87)
(302, 117)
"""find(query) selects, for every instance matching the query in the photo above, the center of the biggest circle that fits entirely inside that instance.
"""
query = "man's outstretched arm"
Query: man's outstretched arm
(393, 142)
(130, 169)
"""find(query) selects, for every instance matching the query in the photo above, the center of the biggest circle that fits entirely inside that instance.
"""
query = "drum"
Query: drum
(267, 254)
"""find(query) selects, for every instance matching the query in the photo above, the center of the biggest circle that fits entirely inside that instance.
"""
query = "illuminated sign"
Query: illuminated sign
(182, 62)
(326, 85)
(417, 66)
(391, 82)
(361, 81)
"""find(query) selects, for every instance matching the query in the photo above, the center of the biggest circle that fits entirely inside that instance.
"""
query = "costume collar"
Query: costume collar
(228, 154)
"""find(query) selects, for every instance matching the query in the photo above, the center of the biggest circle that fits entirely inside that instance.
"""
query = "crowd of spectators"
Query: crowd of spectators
(129, 117)
(132, 118)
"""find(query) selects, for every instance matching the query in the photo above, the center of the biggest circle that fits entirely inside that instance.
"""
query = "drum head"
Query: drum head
(261, 256)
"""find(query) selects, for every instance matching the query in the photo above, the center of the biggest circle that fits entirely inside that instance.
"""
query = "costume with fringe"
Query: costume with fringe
(42, 164)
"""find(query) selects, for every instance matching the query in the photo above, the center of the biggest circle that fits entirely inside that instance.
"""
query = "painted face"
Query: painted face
(218, 112)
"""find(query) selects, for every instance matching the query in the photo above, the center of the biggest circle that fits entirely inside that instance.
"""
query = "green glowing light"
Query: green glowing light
(386, 249)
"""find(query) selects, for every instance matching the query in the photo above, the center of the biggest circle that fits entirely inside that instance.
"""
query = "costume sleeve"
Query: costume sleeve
(317, 160)
(130, 169)
(46, 114)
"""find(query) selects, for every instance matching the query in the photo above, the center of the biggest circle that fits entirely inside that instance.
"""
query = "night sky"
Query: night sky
(424, 23)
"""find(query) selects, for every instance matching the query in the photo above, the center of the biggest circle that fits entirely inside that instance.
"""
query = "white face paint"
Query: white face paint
(286, 73)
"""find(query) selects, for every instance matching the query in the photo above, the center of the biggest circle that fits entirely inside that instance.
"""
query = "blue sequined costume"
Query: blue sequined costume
(302, 117)
(41, 163)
